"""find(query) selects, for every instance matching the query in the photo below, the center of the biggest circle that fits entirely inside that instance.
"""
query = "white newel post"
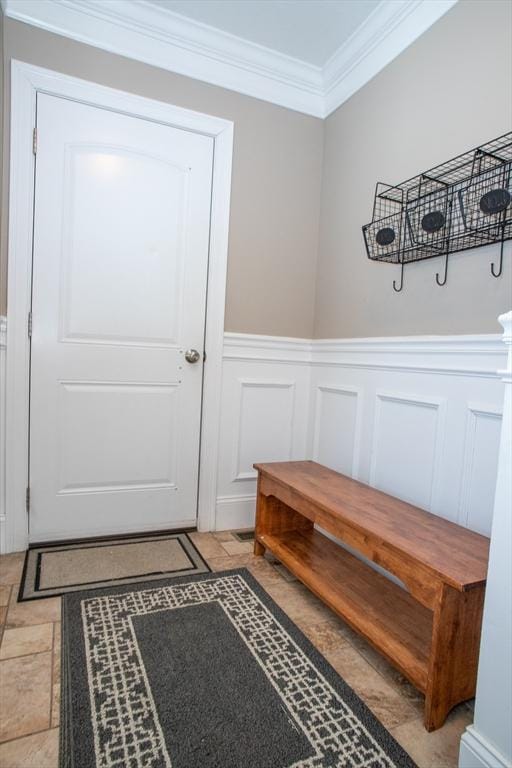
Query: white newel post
(488, 742)
(3, 344)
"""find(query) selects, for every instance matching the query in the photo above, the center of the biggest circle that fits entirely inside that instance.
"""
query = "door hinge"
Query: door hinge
(34, 141)
(27, 499)
(29, 325)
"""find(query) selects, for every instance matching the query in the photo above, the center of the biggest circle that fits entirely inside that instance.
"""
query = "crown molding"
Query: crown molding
(145, 32)
(391, 28)
(139, 30)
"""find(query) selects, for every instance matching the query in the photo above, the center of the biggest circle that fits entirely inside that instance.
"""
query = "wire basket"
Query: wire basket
(486, 203)
(461, 204)
(383, 238)
(428, 225)
(383, 235)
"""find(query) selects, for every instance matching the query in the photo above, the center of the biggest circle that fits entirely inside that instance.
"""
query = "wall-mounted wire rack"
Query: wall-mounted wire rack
(461, 204)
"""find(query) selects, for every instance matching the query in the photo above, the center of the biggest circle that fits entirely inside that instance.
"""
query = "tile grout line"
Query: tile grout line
(407, 722)
(27, 736)
(4, 624)
(26, 626)
(51, 677)
(24, 655)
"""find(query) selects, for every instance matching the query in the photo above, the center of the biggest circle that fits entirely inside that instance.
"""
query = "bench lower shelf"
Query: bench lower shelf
(390, 619)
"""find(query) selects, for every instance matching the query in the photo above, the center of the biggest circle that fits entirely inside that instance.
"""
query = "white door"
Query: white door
(122, 215)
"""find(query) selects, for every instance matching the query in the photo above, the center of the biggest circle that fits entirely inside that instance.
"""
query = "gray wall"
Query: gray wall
(277, 168)
(448, 92)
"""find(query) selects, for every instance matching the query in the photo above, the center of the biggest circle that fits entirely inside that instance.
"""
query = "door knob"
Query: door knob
(192, 355)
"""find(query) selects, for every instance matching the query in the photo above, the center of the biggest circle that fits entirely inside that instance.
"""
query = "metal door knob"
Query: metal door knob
(192, 355)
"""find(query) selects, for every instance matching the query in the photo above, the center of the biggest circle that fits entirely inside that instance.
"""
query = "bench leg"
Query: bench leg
(272, 516)
(259, 549)
(454, 653)
(261, 516)
(267, 512)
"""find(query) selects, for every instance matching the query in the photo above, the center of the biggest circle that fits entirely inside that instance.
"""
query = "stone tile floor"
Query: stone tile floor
(30, 664)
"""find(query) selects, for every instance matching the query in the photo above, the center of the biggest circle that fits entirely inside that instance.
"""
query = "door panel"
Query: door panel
(100, 410)
(122, 210)
(129, 196)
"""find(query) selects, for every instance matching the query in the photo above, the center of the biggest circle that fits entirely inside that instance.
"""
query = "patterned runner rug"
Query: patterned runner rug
(205, 672)
(59, 568)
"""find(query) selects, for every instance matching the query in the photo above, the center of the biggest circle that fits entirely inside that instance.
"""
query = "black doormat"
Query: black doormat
(205, 672)
(54, 569)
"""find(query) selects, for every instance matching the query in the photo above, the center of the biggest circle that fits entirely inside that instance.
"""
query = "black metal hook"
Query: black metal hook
(401, 280)
(500, 270)
(443, 281)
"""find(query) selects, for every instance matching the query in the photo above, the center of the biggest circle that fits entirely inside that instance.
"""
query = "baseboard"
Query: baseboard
(235, 512)
(476, 752)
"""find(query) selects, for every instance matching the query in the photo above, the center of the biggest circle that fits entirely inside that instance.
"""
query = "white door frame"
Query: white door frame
(26, 82)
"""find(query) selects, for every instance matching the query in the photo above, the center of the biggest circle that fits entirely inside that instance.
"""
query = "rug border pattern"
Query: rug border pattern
(390, 753)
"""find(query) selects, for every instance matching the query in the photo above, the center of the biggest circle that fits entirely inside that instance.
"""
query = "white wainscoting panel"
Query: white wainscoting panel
(265, 424)
(3, 345)
(337, 428)
(483, 429)
(429, 408)
(264, 417)
(418, 417)
(407, 445)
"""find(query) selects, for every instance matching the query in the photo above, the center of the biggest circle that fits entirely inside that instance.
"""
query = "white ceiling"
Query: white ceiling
(309, 30)
(306, 55)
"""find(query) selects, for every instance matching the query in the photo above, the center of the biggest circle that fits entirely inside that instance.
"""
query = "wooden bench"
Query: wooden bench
(431, 630)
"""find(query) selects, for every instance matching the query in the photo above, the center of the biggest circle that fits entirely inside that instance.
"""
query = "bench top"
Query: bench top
(457, 555)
